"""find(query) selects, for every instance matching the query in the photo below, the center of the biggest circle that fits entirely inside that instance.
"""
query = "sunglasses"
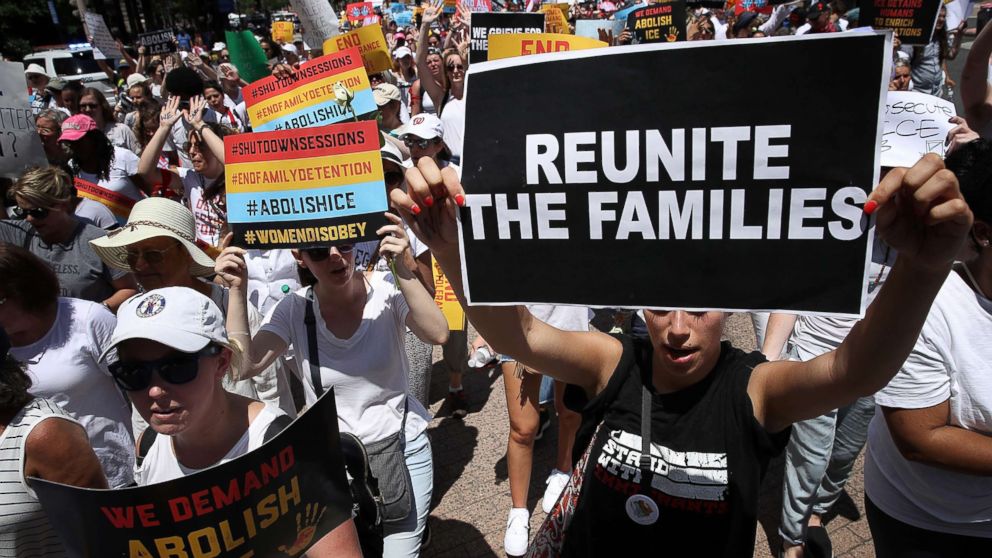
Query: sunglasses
(151, 257)
(453, 67)
(418, 142)
(35, 212)
(174, 369)
(321, 254)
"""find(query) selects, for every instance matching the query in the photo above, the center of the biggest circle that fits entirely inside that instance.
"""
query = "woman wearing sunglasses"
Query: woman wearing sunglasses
(47, 226)
(59, 341)
(358, 323)
(173, 353)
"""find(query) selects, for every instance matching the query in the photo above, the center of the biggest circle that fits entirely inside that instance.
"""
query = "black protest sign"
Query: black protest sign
(914, 20)
(658, 23)
(669, 193)
(485, 24)
(275, 501)
(158, 42)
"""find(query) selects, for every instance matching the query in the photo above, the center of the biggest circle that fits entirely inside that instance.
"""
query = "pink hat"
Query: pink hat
(75, 127)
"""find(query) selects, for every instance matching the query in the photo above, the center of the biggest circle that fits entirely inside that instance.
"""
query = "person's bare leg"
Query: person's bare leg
(521, 403)
(568, 425)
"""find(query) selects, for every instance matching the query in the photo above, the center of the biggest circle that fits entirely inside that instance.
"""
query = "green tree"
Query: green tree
(15, 20)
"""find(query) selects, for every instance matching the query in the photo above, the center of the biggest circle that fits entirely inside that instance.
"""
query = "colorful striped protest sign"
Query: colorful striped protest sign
(308, 99)
(118, 204)
(305, 188)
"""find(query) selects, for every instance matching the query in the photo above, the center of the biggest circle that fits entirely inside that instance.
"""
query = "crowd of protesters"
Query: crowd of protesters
(139, 346)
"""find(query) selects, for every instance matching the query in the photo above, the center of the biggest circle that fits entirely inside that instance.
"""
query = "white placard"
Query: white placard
(103, 42)
(318, 20)
(20, 146)
(915, 124)
(957, 11)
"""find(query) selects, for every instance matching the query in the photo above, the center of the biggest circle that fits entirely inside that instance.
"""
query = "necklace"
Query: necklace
(974, 282)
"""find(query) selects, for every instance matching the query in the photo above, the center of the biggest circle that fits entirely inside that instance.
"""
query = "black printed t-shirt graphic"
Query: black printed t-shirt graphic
(709, 457)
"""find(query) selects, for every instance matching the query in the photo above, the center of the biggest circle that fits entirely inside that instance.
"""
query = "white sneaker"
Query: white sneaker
(556, 483)
(517, 532)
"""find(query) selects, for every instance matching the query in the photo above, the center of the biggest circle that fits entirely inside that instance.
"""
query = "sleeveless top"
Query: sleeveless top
(24, 527)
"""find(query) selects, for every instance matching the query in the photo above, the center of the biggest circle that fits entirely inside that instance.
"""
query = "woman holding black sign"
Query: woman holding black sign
(678, 428)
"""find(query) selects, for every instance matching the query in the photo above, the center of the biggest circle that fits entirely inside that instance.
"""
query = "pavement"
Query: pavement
(472, 493)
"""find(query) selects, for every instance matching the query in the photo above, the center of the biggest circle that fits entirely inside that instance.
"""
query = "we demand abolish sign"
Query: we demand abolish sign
(673, 177)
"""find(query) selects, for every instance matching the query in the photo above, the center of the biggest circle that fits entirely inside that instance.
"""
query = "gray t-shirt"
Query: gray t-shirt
(82, 274)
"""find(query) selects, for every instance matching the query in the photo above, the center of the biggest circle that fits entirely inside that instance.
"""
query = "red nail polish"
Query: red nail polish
(415, 209)
(870, 207)
(429, 201)
(460, 200)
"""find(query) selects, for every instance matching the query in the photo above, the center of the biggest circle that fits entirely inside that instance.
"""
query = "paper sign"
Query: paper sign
(659, 23)
(362, 13)
(591, 27)
(484, 25)
(760, 210)
(915, 124)
(317, 20)
(305, 188)
(20, 145)
(309, 99)
(158, 42)
(477, 6)
(508, 46)
(403, 19)
(371, 44)
(556, 18)
(282, 32)
(444, 297)
(957, 11)
(914, 20)
(103, 42)
(277, 500)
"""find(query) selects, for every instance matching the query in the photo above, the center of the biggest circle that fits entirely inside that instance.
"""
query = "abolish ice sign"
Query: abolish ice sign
(641, 190)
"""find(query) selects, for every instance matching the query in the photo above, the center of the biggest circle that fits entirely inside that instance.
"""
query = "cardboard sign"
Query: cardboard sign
(305, 188)
(317, 20)
(523, 44)
(104, 45)
(282, 32)
(914, 20)
(274, 501)
(556, 18)
(309, 98)
(484, 25)
(20, 145)
(371, 44)
(915, 124)
(659, 23)
(158, 42)
(686, 203)
(362, 13)
(446, 300)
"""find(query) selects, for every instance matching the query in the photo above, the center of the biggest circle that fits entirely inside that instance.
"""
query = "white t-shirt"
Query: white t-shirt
(364, 251)
(952, 360)
(368, 371)
(125, 166)
(161, 464)
(272, 275)
(64, 369)
(566, 318)
(122, 136)
(209, 220)
(453, 122)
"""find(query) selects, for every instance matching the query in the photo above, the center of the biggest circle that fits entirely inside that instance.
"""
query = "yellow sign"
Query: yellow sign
(556, 18)
(522, 44)
(282, 31)
(444, 297)
(371, 45)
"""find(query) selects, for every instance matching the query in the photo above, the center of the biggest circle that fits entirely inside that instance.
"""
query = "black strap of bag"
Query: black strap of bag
(310, 320)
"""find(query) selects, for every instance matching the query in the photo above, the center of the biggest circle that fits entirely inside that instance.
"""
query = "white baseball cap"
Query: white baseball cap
(177, 317)
(401, 52)
(424, 126)
(36, 69)
(135, 79)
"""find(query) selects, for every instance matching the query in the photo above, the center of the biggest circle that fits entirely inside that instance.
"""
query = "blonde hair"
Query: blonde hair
(44, 187)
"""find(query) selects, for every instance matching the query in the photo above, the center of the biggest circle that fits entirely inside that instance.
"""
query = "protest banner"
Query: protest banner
(479, 6)
(371, 44)
(556, 18)
(307, 187)
(914, 20)
(282, 32)
(118, 204)
(484, 25)
(20, 145)
(446, 300)
(658, 23)
(362, 13)
(104, 45)
(158, 42)
(309, 98)
(523, 44)
(274, 501)
(686, 203)
(915, 124)
(247, 55)
(450, 6)
(317, 20)
(591, 28)
(403, 19)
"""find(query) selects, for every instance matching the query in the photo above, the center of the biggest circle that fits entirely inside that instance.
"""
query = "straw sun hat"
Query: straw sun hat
(152, 217)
